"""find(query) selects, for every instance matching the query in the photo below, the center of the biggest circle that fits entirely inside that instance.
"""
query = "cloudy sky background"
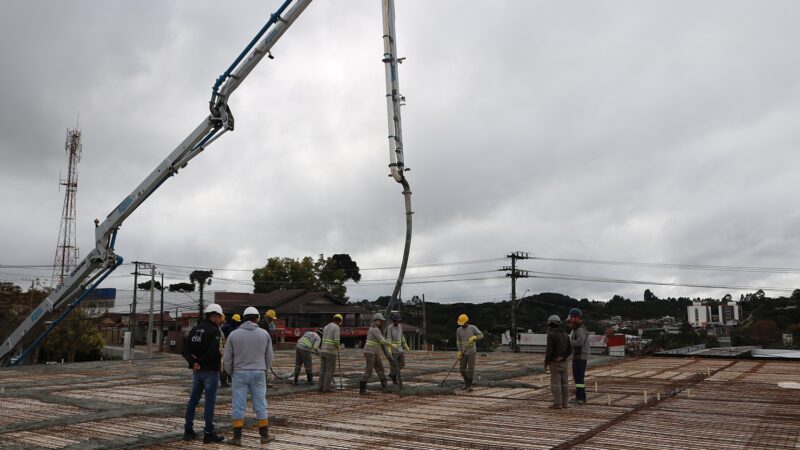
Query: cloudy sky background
(657, 132)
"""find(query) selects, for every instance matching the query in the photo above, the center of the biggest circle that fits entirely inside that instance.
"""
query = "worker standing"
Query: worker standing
(372, 347)
(306, 345)
(558, 351)
(226, 330)
(201, 351)
(329, 350)
(248, 356)
(394, 333)
(579, 338)
(466, 337)
(268, 323)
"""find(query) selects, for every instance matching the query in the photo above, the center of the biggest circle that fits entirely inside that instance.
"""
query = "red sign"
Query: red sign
(292, 334)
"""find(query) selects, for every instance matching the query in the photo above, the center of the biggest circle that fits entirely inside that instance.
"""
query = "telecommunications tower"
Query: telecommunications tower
(66, 251)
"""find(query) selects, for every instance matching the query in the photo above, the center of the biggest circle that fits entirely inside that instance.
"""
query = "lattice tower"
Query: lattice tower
(66, 251)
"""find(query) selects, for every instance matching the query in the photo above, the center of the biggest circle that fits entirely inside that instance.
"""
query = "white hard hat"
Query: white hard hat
(554, 319)
(250, 311)
(378, 316)
(213, 308)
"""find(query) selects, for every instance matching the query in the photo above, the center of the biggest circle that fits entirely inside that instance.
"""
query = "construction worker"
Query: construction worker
(394, 333)
(558, 351)
(579, 338)
(306, 345)
(372, 347)
(201, 351)
(329, 350)
(466, 338)
(248, 356)
(227, 329)
(268, 323)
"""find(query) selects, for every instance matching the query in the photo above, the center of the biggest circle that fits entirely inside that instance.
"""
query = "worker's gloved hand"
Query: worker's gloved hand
(405, 347)
(459, 355)
(472, 339)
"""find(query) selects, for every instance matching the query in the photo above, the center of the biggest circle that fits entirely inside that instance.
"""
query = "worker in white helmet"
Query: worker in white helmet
(372, 348)
(248, 357)
(201, 351)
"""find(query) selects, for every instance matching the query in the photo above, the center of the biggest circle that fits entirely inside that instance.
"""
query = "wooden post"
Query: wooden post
(689, 393)
(645, 397)
(658, 396)
(708, 371)
(595, 385)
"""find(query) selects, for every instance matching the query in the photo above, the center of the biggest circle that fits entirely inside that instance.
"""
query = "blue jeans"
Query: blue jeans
(253, 382)
(578, 371)
(203, 380)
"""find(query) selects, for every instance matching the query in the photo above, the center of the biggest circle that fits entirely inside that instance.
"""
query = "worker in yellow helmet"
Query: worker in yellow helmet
(268, 323)
(466, 337)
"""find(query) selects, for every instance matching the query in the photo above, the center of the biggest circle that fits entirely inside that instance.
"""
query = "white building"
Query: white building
(700, 315)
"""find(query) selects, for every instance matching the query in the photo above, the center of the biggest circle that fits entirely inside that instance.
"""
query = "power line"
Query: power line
(719, 268)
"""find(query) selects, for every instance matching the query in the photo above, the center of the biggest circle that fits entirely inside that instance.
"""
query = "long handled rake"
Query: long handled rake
(450, 371)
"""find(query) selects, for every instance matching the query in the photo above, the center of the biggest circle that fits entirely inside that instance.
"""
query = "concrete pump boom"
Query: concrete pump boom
(102, 260)
(396, 160)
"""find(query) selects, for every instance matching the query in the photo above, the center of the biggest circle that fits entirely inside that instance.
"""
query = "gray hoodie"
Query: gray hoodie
(248, 348)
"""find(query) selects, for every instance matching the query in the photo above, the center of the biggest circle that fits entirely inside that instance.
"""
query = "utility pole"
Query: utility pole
(150, 319)
(132, 324)
(514, 274)
(424, 325)
(161, 319)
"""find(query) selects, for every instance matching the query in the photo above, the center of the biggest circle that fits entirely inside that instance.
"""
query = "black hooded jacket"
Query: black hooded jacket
(202, 346)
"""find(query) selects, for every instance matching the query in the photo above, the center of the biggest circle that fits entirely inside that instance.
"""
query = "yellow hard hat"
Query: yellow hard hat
(236, 318)
(338, 316)
(271, 314)
(462, 319)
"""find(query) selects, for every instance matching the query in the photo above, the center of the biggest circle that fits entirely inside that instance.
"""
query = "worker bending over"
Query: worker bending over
(394, 334)
(466, 338)
(372, 349)
(329, 350)
(579, 338)
(248, 355)
(306, 345)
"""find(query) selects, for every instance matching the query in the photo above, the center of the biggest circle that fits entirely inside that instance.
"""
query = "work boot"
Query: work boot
(394, 378)
(296, 376)
(468, 384)
(264, 433)
(385, 386)
(188, 435)
(309, 379)
(362, 387)
(237, 436)
(208, 438)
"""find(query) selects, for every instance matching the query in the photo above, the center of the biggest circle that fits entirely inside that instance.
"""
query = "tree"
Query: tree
(146, 285)
(77, 333)
(649, 296)
(323, 274)
(181, 287)
(765, 332)
(201, 278)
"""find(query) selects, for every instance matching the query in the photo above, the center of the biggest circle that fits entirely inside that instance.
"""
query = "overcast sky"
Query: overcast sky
(657, 132)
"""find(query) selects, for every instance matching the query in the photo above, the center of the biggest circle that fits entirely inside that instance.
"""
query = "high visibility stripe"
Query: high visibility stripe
(263, 422)
(580, 386)
(330, 341)
(238, 423)
(371, 342)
